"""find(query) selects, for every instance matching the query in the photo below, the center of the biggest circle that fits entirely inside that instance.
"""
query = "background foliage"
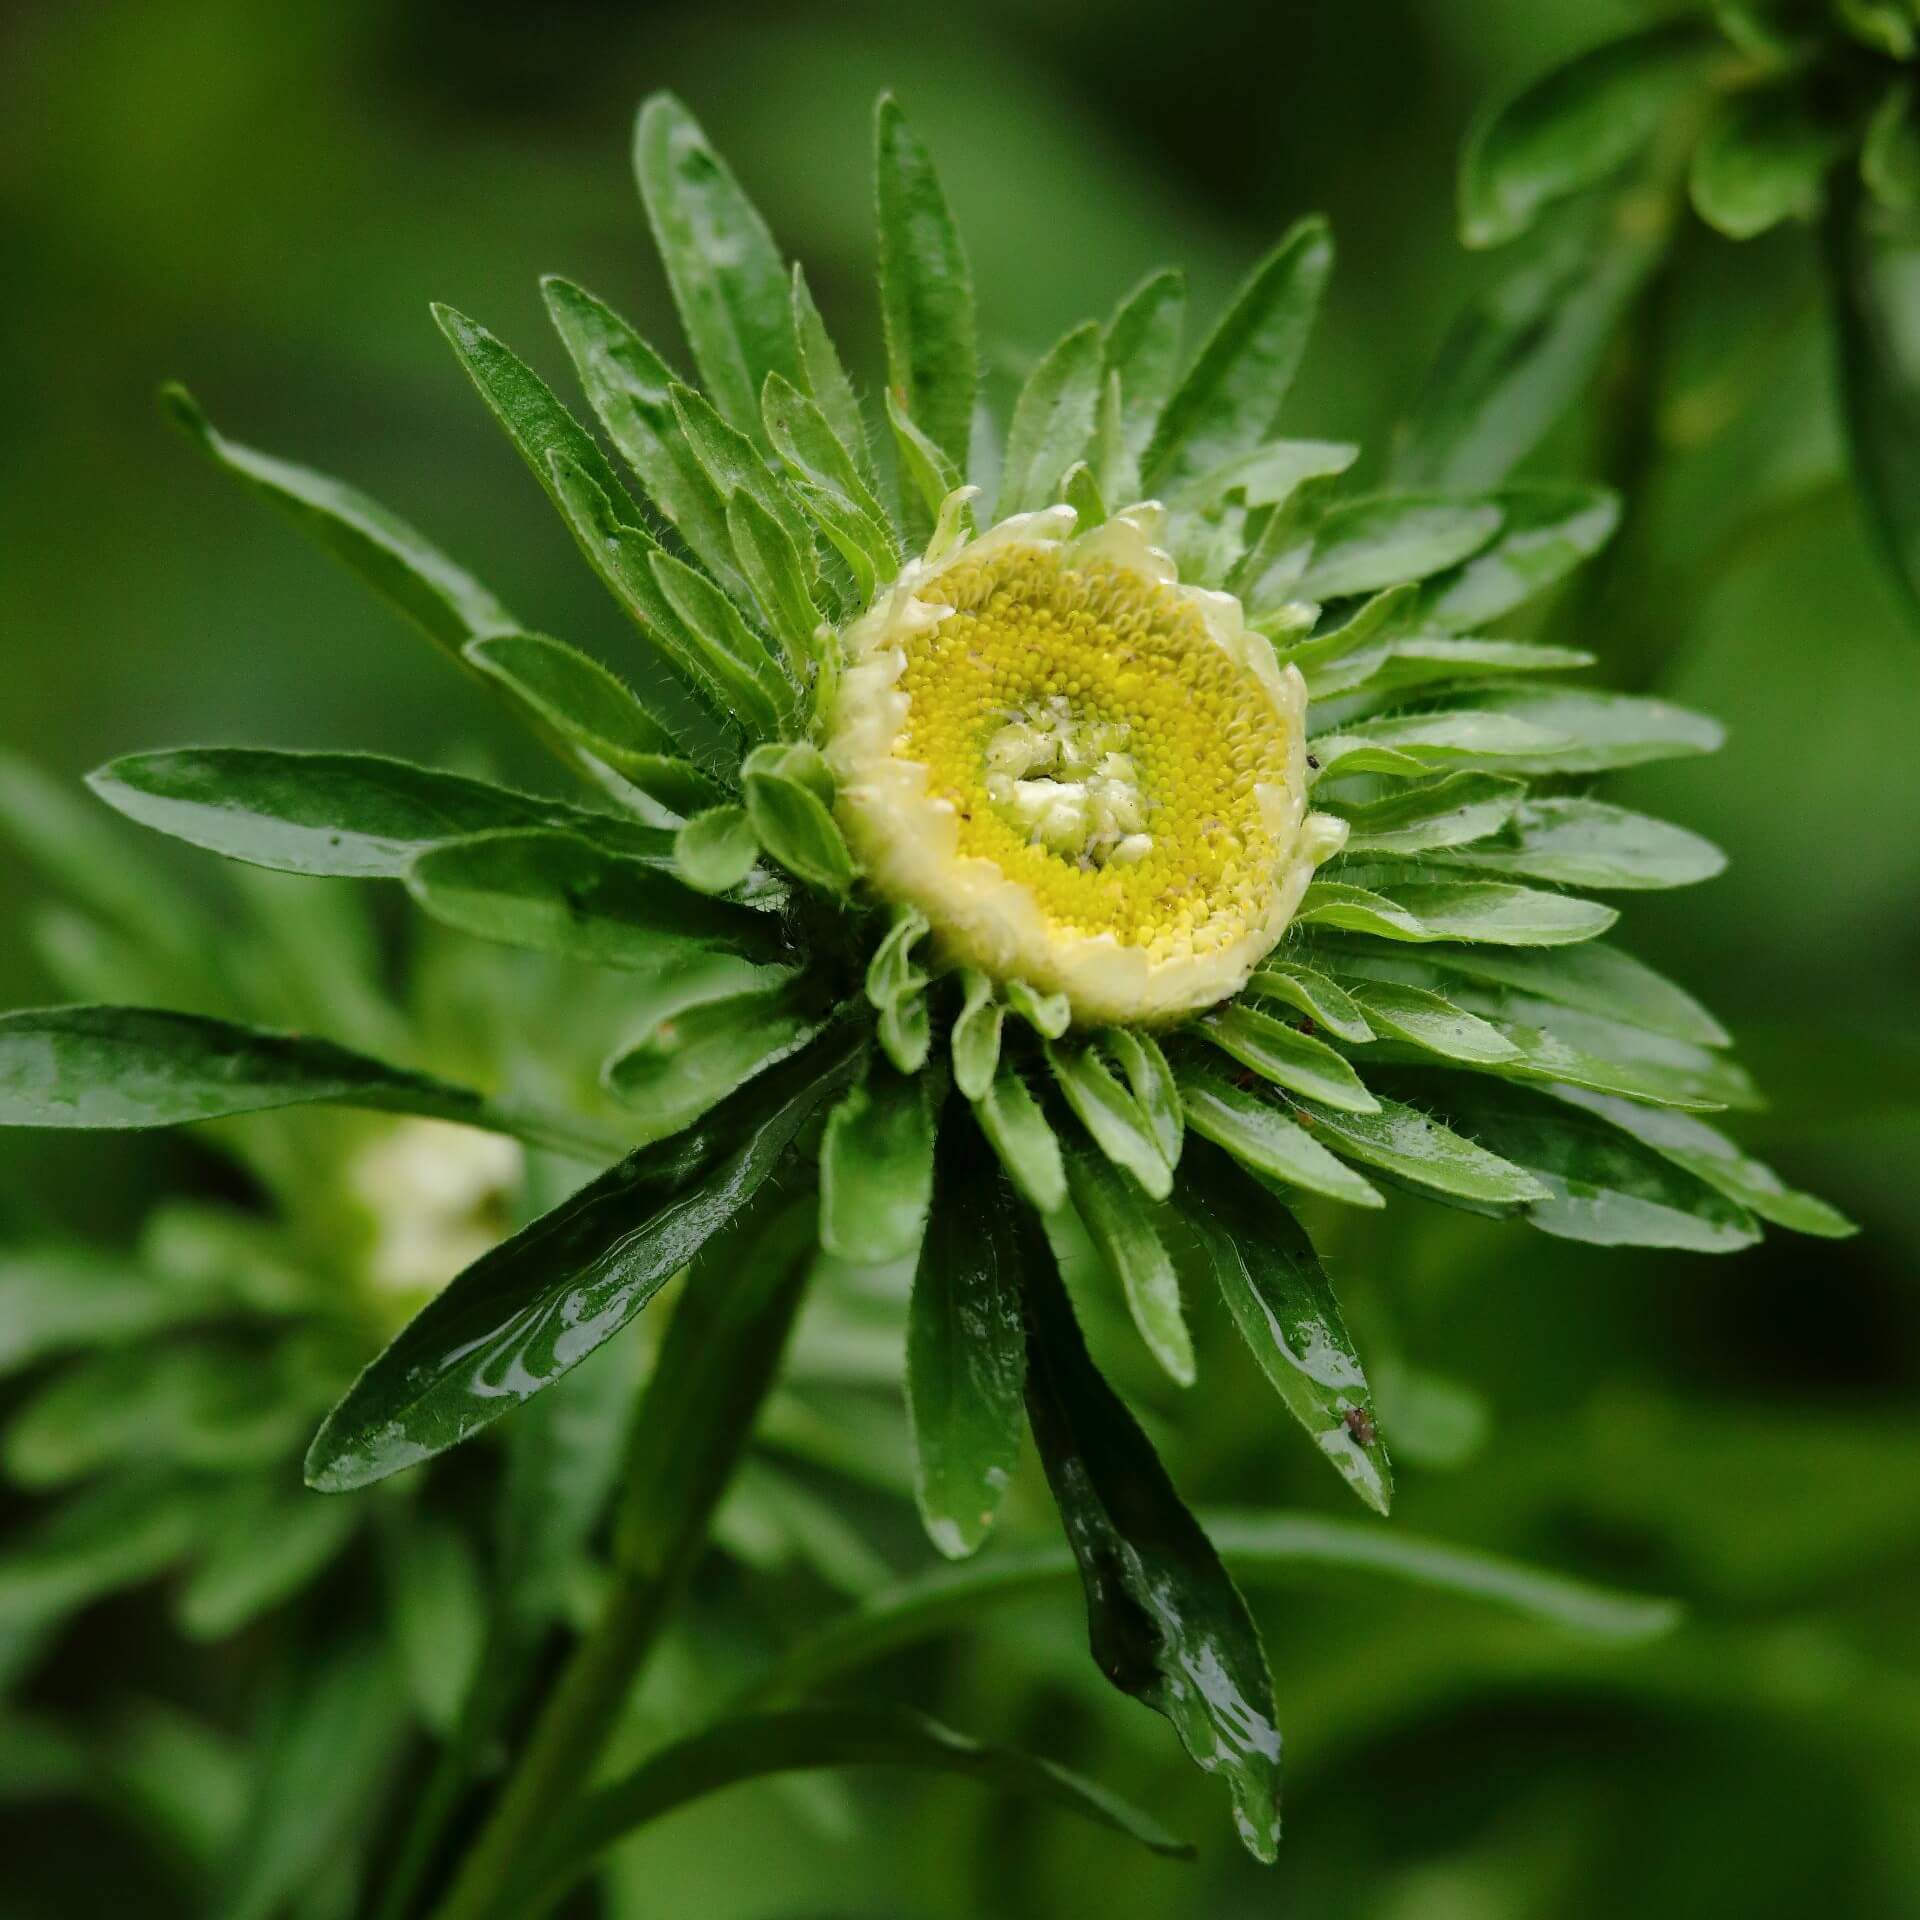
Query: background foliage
(260, 199)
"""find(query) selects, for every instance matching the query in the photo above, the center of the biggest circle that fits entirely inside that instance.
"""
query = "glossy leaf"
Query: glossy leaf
(1119, 1221)
(411, 574)
(1260, 1136)
(349, 815)
(1229, 400)
(926, 290)
(1411, 1146)
(1283, 1304)
(1286, 1056)
(715, 850)
(1364, 545)
(876, 1169)
(1018, 1131)
(784, 786)
(1141, 350)
(1489, 912)
(975, 1041)
(540, 1302)
(727, 277)
(1586, 843)
(966, 1354)
(1150, 1080)
(1434, 1024)
(1457, 811)
(896, 988)
(1762, 161)
(1052, 422)
(1110, 1113)
(1309, 991)
(118, 1067)
(1166, 1622)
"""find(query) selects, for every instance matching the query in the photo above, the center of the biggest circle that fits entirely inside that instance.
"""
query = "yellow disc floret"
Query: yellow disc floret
(1086, 776)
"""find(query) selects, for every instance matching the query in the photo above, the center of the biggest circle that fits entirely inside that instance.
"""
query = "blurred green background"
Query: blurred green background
(261, 198)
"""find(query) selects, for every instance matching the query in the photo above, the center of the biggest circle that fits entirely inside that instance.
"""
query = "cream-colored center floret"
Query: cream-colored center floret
(1087, 776)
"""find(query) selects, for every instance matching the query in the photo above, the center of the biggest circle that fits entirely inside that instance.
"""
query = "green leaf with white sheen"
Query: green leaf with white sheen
(975, 1041)
(1110, 1113)
(1587, 843)
(1383, 540)
(1283, 1304)
(1606, 731)
(411, 574)
(773, 564)
(1413, 1147)
(1308, 990)
(1460, 810)
(348, 815)
(1052, 422)
(1229, 400)
(1119, 1219)
(1545, 532)
(1286, 1056)
(926, 290)
(727, 276)
(734, 463)
(811, 447)
(1019, 1132)
(784, 787)
(1406, 745)
(734, 656)
(1151, 1082)
(1261, 1137)
(876, 1168)
(1488, 912)
(1433, 661)
(1434, 1024)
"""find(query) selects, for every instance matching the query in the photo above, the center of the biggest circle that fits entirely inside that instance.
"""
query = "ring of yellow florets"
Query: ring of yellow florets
(1086, 776)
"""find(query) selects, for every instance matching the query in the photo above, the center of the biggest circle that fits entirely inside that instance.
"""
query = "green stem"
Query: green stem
(691, 1427)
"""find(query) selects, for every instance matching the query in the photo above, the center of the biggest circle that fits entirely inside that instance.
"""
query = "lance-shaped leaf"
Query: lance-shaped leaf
(734, 657)
(876, 1168)
(1573, 128)
(1307, 989)
(807, 441)
(1435, 661)
(1109, 1112)
(562, 895)
(1260, 1136)
(697, 1052)
(1119, 1220)
(789, 796)
(142, 1067)
(1141, 350)
(772, 562)
(1487, 911)
(966, 1354)
(1283, 1304)
(349, 815)
(630, 389)
(1410, 745)
(975, 1041)
(437, 594)
(1150, 1080)
(1545, 532)
(1052, 422)
(1364, 545)
(1410, 1146)
(539, 1303)
(801, 1740)
(1230, 398)
(926, 289)
(726, 273)
(1432, 1023)
(1457, 811)
(1707, 1153)
(1600, 1185)
(1020, 1133)
(1605, 730)
(929, 479)
(1166, 1622)
(572, 694)
(734, 463)
(823, 379)
(1287, 1057)
(265, 1542)
(1586, 843)
(1763, 160)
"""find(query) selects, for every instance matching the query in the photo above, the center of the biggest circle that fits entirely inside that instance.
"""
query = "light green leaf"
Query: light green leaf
(966, 1353)
(1141, 347)
(926, 290)
(1018, 1132)
(1048, 1014)
(931, 479)
(1269, 476)
(1115, 1119)
(349, 815)
(1890, 150)
(734, 463)
(1763, 160)
(1439, 660)
(1230, 398)
(1320, 999)
(54, 1299)
(1486, 912)
(823, 379)
(726, 273)
(1545, 532)
(1457, 811)
(1586, 843)
(1414, 1148)
(896, 988)
(1573, 128)
(1406, 745)
(975, 1041)
(1286, 1056)
(735, 657)
(1885, 25)
(436, 1607)
(1607, 730)
(1151, 1082)
(1387, 539)
(783, 786)
(809, 444)
(772, 563)
(1434, 1024)
(437, 594)
(1119, 1220)
(876, 1169)
(1260, 1136)
(1052, 421)
(715, 851)
(1284, 1306)
(264, 1543)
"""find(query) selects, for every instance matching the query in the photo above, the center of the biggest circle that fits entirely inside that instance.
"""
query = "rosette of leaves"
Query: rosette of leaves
(1759, 115)
(837, 1046)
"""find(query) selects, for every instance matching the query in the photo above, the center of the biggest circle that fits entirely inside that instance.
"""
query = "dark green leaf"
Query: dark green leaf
(539, 1303)
(1283, 1304)
(1762, 161)
(1230, 398)
(264, 1543)
(1019, 1133)
(1119, 1221)
(930, 480)
(348, 815)
(1052, 422)
(966, 1359)
(876, 1168)
(1412, 1147)
(1260, 1136)
(806, 439)
(784, 788)
(1110, 1113)
(1286, 1056)
(726, 273)
(115, 1534)
(1166, 1622)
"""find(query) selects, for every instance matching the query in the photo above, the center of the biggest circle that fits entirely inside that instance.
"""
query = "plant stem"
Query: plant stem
(693, 1423)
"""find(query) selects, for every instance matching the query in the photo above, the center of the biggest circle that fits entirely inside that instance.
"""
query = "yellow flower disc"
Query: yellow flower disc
(1087, 777)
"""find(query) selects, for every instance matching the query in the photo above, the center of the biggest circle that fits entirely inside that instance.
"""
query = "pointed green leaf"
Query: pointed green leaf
(809, 444)
(436, 1607)
(1052, 422)
(1434, 1024)
(1120, 1128)
(1166, 1622)
(1320, 999)
(930, 478)
(1607, 730)
(1018, 1131)
(1386, 539)
(1586, 843)
(727, 277)
(1141, 348)
(734, 656)
(790, 820)
(1762, 161)
(1260, 1136)
(1150, 1080)
(926, 290)
(896, 989)
(1407, 745)
(1048, 1014)
(1435, 661)
(772, 563)
(1230, 398)
(114, 1534)
(1119, 1220)
(1457, 811)
(975, 1041)
(876, 1169)
(437, 594)
(1283, 1304)
(966, 1357)
(1412, 1147)
(1488, 912)
(265, 1543)
(1545, 532)
(1287, 1057)
(539, 1303)
(55, 1299)
(824, 379)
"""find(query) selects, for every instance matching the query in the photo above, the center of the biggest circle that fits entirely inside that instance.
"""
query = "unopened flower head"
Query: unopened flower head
(1085, 775)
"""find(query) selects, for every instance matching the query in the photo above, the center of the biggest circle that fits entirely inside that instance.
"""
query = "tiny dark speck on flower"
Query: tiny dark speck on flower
(1313, 760)
(1360, 1425)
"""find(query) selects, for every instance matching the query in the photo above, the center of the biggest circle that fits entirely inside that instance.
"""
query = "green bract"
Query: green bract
(1442, 1017)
